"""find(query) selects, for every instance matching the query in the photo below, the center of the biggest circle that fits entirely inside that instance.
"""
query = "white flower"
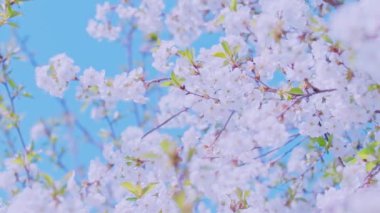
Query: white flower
(37, 131)
(55, 76)
(125, 12)
(102, 10)
(161, 56)
(90, 82)
(101, 30)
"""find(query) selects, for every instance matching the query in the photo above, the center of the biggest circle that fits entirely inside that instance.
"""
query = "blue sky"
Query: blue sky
(50, 27)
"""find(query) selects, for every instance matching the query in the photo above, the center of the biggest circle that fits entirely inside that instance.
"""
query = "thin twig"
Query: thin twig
(277, 148)
(219, 133)
(165, 122)
(286, 153)
(17, 127)
(207, 97)
(110, 124)
(301, 97)
(159, 80)
(80, 126)
(368, 179)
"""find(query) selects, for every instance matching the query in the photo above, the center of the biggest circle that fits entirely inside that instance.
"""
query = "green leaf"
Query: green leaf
(59, 192)
(176, 80)
(49, 181)
(246, 194)
(150, 155)
(220, 55)
(137, 190)
(226, 48)
(366, 152)
(369, 166)
(12, 83)
(12, 13)
(327, 39)
(13, 24)
(319, 140)
(153, 37)
(32, 156)
(350, 160)
(27, 95)
(373, 87)
(329, 141)
(233, 5)
(167, 83)
(296, 91)
(132, 199)
(188, 54)
(166, 146)
(180, 199)
(132, 188)
(19, 161)
(148, 188)
(191, 153)
(239, 193)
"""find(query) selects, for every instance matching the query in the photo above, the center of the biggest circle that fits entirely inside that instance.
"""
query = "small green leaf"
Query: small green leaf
(137, 190)
(180, 199)
(13, 24)
(19, 161)
(167, 83)
(233, 5)
(239, 193)
(246, 194)
(150, 155)
(350, 160)
(220, 55)
(132, 199)
(12, 83)
(296, 91)
(27, 95)
(327, 39)
(366, 152)
(176, 80)
(191, 153)
(148, 188)
(153, 37)
(10, 12)
(188, 54)
(322, 142)
(49, 181)
(373, 87)
(59, 192)
(132, 188)
(369, 166)
(166, 146)
(226, 48)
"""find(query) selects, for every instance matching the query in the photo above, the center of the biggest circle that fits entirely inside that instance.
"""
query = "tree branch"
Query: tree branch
(165, 122)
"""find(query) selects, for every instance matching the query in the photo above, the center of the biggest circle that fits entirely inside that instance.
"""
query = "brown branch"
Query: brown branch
(165, 122)
(277, 148)
(159, 80)
(302, 97)
(219, 133)
(16, 124)
(110, 125)
(198, 95)
(368, 179)
(286, 153)
(80, 126)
